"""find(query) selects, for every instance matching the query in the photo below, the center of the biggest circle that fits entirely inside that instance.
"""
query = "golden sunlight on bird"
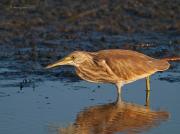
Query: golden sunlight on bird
(114, 66)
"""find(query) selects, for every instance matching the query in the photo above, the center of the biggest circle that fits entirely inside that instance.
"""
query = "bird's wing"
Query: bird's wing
(128, 66)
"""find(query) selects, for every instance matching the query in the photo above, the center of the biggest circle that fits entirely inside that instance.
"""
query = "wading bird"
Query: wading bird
(114, 66)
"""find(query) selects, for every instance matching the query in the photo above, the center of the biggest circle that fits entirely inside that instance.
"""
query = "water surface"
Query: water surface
(55, 107)
(39, 101)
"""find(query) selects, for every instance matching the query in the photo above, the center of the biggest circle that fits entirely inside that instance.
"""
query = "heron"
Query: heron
(115, 66)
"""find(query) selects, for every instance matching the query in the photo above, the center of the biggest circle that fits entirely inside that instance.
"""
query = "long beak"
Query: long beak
(63, 61)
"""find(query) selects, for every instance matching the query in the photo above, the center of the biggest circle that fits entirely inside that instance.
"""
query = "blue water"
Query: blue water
(54, 106)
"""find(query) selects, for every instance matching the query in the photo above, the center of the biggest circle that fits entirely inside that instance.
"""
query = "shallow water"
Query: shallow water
(55, 107)
(55, 101)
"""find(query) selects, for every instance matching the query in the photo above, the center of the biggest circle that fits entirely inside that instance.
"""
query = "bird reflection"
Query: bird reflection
(115, 118)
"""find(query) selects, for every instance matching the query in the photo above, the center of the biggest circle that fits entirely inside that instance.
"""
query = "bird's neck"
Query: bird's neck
(88, 61)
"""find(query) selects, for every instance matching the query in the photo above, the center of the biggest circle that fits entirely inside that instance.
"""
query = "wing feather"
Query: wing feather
(128, 65)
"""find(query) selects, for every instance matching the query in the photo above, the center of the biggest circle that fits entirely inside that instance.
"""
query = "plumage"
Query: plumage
(114, 66)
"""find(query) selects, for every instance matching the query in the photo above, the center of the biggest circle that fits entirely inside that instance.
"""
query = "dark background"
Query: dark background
(34, 33)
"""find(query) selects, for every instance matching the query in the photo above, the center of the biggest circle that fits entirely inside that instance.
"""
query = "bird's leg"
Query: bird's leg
(147, 90)
(118, 85)
(147, 97)
(148, 83)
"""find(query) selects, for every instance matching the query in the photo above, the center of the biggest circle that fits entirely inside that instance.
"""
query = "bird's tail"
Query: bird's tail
(171, 59)
(164, 63)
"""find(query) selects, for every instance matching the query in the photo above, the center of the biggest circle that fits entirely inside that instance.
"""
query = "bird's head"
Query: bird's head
(74, 59)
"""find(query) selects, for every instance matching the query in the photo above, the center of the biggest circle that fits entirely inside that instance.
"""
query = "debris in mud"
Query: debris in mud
(27, 83)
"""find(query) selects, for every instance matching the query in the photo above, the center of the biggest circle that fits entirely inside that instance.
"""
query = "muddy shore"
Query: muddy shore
(34, 34)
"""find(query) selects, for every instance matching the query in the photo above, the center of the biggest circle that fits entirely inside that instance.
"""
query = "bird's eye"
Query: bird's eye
(73, 57)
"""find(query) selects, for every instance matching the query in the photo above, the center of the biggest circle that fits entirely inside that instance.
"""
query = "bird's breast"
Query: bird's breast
(95, 74)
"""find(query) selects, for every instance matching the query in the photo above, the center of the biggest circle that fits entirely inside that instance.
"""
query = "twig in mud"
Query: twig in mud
(85, 13)
(24, 7)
